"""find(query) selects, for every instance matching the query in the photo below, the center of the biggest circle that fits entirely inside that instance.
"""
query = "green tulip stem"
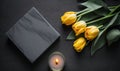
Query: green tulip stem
(79, 12)
(100, 26)
(86, 12)
(78, 18)
(80, 15)
(99, 19)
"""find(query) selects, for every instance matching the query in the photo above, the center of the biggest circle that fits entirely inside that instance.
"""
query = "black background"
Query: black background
(11, 59)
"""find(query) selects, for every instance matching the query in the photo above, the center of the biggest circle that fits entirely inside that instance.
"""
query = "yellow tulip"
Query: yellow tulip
(79, 44)
(79, 27)
(69, 18)
(91, 32)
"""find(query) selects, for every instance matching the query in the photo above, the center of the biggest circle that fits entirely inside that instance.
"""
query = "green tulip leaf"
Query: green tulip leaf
(113, 36)
(93, 4)
(102, 11)
(98, 42)
(95, 9)
(89, 17)
(111, 8)
(71, 36)
(114, 9)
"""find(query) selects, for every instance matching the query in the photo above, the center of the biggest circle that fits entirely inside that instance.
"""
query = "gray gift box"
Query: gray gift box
(32, 34)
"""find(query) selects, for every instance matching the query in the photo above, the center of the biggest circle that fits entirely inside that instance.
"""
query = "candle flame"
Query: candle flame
(56, 61)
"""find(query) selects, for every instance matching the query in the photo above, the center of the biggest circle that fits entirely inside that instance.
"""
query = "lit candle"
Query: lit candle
(56, 61)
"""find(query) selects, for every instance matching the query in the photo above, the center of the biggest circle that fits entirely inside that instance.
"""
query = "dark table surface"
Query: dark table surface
(11, 59)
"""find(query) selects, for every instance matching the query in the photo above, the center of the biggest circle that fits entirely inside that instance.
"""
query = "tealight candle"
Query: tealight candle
(56, 61)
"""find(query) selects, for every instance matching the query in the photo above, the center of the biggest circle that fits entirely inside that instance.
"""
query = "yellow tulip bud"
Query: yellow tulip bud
(91, 32)
(68, 18)
(79, 44)
(79, 27)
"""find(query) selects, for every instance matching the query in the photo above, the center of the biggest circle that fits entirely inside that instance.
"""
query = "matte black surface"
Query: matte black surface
(11, 59)
(32, 34)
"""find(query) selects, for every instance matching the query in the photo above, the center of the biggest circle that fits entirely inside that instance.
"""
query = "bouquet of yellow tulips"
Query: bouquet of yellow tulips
(91, 25)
